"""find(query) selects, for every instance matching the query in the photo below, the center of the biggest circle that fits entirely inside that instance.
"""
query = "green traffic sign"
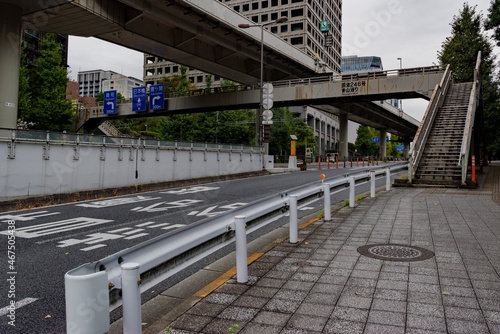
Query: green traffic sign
(324, 26)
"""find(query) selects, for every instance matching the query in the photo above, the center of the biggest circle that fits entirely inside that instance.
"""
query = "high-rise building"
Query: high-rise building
(32, 44)
(122, 84)
(91, 81)
(302, 30)
(355, 64)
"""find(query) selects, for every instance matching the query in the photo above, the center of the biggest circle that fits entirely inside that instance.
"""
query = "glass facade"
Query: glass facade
(354, 64)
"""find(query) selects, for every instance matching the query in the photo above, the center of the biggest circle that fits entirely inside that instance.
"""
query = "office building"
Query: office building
(355, 64)
(32, 44)
(122, 84)
(91, 81)
(301, 30)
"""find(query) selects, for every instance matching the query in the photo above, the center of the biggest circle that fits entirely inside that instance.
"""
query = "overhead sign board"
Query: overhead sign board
(400, 148)
(376, 139)
(324, 26)
(157, 97)
(109, 102)
(139, 99)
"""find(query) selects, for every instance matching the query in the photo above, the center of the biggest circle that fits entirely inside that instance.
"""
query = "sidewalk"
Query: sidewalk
(323, 284)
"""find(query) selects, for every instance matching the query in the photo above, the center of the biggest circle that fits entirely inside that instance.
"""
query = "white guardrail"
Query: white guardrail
(94, 289)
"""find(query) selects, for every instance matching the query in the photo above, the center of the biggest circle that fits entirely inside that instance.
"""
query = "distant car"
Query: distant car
(332, 156)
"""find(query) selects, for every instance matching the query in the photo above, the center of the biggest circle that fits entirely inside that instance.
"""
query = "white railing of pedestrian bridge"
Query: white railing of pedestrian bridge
(120, 278)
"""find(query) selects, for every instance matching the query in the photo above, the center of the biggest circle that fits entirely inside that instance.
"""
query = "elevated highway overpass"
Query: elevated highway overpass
(197, 33)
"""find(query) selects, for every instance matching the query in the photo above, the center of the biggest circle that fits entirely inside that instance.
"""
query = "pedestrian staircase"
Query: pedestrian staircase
(439, 162)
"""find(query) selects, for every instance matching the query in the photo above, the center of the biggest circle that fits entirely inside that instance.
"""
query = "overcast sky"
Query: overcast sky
(409, 29)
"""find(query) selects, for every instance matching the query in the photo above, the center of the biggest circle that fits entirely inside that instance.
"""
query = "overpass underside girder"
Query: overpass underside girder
(196, 33)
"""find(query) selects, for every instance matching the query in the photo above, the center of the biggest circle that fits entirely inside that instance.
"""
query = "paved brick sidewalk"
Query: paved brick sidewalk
(324, 285)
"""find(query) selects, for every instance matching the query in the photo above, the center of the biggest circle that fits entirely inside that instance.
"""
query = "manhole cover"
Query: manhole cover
(391, 252)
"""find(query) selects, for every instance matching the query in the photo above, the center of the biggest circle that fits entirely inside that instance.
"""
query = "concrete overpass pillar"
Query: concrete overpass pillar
(344, 139)
(10, 47)
(383, 144)
(406, 153)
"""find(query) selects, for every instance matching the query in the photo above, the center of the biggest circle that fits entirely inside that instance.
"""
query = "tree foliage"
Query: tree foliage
(460, 51)
(44, 103)
(493, 20)
(285, 125)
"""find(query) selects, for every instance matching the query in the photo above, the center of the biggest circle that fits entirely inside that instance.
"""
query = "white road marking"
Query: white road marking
(117, 201)
(191, 190)
(136, 236)
(28, 216)
(145, 224)
(164, 206)
(133, 231)
(306, 208)
(208, 211)
(57, 227)
(23, 302)
(86, 249)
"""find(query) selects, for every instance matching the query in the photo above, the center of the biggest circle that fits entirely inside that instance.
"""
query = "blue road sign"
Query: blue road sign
(400, 148)
(386, 139)
(376, 139)
(139, 99)
(156, 97)
(110, 102)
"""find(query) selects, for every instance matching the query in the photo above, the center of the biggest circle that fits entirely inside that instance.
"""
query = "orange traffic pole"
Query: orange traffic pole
(357, 162)
(473, 168)
(363, 162)
(319, 162)
(328, 163)
(337, 162)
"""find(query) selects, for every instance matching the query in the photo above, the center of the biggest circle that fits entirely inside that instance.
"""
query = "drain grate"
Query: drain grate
(393, 252)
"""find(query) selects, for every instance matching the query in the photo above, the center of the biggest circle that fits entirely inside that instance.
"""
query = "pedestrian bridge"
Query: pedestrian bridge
(349, 96)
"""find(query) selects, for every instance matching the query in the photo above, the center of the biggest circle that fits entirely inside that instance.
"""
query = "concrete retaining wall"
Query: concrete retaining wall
(37, 168)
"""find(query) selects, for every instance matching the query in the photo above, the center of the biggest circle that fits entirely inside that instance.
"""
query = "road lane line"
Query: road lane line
(23, 302)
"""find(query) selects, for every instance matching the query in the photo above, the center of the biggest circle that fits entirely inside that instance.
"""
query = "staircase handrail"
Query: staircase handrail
(424, 129)
(469, 121)
(111, 130)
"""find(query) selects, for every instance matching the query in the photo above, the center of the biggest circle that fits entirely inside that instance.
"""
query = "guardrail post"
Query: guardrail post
(294, 233)
(131, 298)
(372, 183)
(327, 205)
(241, 249)
(387, 179)
(352, 192)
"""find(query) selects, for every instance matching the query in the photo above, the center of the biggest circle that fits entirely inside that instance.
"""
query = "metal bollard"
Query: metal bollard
(372, 184)
(352, 192)
(241, 249)
(387, 179)
(294, 230)
(131, 298)
(327, 205)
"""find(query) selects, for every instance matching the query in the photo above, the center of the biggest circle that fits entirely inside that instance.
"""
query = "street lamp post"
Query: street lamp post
(259, 125)
(400, 67)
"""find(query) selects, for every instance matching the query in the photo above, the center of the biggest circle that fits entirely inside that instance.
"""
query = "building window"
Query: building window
(159, 71)
(274, 30)
(246, 7)
(236, 8)
(284, 13)
(284, 28)
(296, 1)
(265, 4)
(274, 3)
(296, 40)
(199, 79)
(167, 70)
(274, 16)
(191, 79)
(297, 26)
(216, 78)
(255, 19)
(175, 69)
(150, 71)
(284, 2)
(255, 5)
(297, 12)
(264, 18)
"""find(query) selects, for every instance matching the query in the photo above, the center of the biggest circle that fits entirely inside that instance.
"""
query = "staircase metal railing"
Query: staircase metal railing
(469, 122)
(425, 127)
(109, 129)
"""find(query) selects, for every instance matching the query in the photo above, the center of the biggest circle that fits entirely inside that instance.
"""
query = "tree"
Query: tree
(460, 51)
(49, 109)
(492, 22)
(24, 101)
(364, 143)
(285, 125)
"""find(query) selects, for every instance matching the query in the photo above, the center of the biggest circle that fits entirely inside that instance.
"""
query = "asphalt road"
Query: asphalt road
(52, 240)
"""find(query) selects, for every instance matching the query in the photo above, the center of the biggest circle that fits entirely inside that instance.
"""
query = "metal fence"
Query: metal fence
(121, 277)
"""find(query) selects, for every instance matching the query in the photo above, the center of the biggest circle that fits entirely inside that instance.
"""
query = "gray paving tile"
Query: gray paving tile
(272, 318)
(383, 329)
(191, 322)
(221, 298)
(425, 322)
(281, 305)
(206, 309)
(426, 309)
(315, 309)
(306, 322)
(388, 305)
(463, 302)
(252, 328)
(238, 314)
(350, 314)
(293, 295)
(218, 326)
(467, 327)
(250, 301)
(354, 301)
(335, 326)
(387, 318)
